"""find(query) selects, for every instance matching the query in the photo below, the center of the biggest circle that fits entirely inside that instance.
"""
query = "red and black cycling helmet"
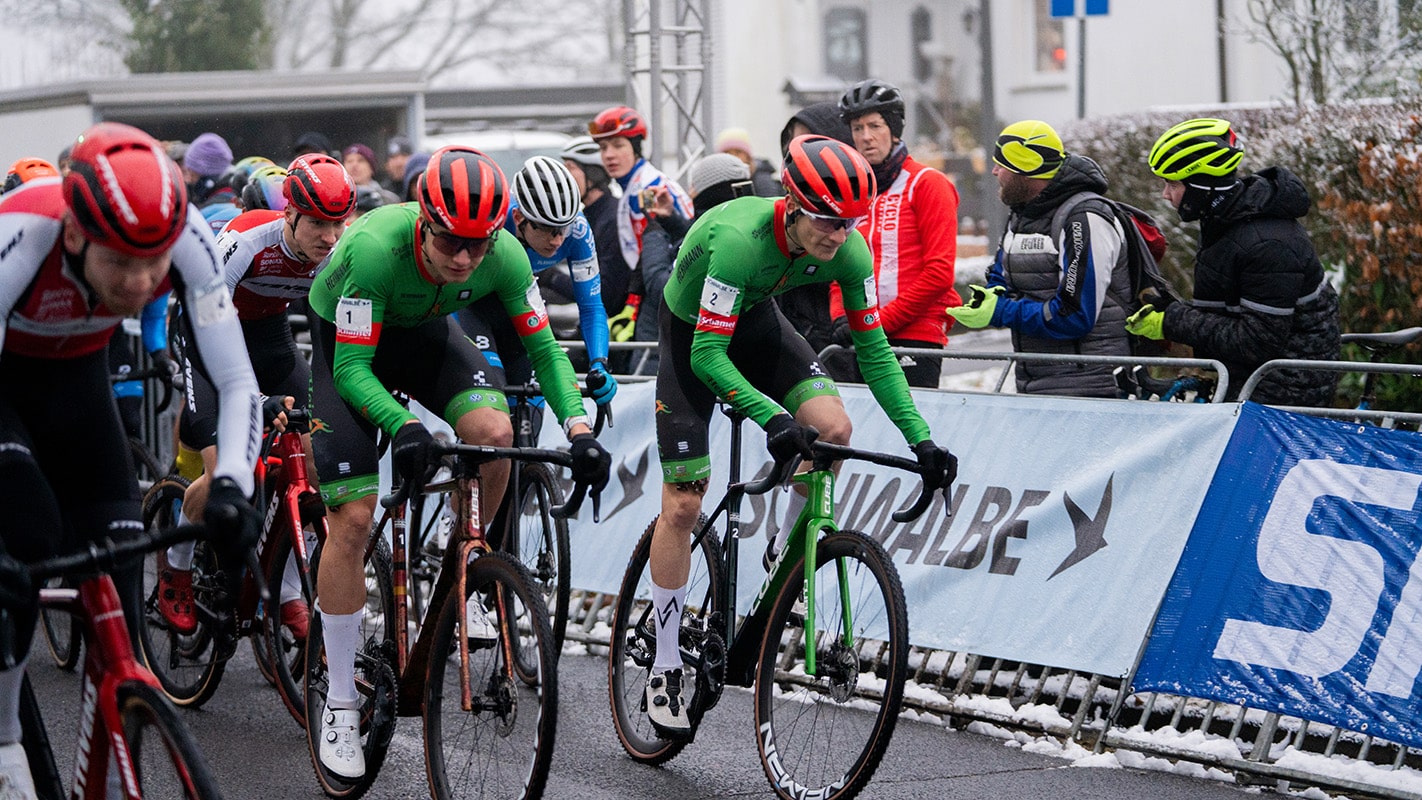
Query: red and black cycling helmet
(124, 191)
(617, 121)
(318, 186)
(828, 177)
(464, 191)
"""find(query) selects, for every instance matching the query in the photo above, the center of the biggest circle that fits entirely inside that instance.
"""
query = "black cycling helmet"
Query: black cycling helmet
(874, 95)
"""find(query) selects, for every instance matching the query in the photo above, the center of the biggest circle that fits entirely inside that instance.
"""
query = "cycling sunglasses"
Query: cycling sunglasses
(551, 230)
(825, 224)
(450, 245)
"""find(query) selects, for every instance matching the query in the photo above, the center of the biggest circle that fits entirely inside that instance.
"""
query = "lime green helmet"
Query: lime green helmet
(1199, 150)
(1031, 148)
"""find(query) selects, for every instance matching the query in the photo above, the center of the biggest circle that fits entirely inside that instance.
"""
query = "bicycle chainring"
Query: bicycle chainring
(710, 673)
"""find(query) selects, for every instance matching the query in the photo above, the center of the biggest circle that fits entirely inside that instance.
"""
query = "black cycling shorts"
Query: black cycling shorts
(435, 364)
(768, 352)
(280, 368)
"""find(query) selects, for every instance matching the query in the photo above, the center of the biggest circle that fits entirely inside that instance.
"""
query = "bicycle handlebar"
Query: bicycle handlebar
(828, 452)
(528, 391)
(105, 555)
(475, 454)
(152, 373)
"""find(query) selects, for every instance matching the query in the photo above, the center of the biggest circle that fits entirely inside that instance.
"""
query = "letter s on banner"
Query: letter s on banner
(1351, 572)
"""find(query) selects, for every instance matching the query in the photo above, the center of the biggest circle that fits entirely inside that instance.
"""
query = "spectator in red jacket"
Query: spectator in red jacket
(912, 229)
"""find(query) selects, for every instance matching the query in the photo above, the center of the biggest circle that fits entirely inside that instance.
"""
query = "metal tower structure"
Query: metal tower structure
(667, 58)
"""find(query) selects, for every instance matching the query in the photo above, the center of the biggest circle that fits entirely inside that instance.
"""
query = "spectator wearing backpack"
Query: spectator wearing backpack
(1060, 281)
(1260, 291)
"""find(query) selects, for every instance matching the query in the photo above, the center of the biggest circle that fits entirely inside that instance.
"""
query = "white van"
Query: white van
(509, 148)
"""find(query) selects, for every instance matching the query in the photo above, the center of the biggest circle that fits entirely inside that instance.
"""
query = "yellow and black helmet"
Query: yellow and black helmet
(1199, 149)
(1031, 148)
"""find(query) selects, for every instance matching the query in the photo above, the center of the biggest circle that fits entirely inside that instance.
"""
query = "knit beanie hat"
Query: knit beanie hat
(208, 155)
(363, 150)
(717, 168)
(413, 168)
(734, 139)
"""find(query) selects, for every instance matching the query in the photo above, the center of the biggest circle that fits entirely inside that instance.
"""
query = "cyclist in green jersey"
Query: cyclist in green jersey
(719, 338)
(381, 320)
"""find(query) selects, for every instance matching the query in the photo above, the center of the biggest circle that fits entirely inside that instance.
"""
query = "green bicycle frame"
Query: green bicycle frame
(816, 516)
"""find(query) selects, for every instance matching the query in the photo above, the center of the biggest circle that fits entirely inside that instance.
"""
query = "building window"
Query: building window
(846, 39)
(1050, 38)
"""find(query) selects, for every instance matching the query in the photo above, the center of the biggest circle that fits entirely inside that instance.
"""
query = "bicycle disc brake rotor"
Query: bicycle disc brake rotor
(500, 698)
(840, 667)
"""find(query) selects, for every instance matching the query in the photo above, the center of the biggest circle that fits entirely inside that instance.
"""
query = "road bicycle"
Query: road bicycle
(1378, 346)
(489, 724)
(190, 666)
(131, 742)
(826, 649)
(524, 526)
(61, 631)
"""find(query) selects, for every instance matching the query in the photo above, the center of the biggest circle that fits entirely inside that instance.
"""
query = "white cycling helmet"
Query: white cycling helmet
(546, 192)
(583, 150)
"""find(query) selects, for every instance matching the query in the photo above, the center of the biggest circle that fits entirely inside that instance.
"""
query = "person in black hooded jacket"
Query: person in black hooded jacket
(807, 307)
(1260, 290)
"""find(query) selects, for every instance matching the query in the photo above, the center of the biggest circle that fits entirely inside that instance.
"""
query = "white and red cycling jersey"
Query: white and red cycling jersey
(48, 311)
(262, 272)
(912, 230)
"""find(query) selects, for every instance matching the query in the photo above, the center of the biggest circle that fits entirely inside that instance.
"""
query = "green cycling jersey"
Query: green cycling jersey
(375, 278)
(737, 255)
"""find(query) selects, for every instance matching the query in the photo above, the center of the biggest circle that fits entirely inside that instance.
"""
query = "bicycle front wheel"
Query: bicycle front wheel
(540, 542)
(822, 733)
(189, 665)
(165, 758)
(501, 744)
(61, 631)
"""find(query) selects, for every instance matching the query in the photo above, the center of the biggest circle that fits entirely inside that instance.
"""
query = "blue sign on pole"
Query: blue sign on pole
(1072, 8)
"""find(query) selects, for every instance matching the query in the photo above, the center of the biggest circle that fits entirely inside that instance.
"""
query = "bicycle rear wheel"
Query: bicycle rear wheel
(823, 735)
(61, 631)
(503, 744)
(374, 671)
(634, 641)
(189, 666)
(165, 758)
(540, 543)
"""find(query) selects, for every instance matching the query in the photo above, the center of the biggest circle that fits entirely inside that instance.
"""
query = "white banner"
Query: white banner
(1068, 515)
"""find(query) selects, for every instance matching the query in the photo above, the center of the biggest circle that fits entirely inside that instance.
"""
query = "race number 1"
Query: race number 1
(355, 321)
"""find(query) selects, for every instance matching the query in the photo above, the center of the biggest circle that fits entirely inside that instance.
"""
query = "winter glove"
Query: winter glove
(938, 467)
(601, 385)
(621, 325)
(785, 438)
(842, 335)
(17, 591)
(410, 451)
(230, 517)
(978, 311)
(1147, 322)
(591, 462)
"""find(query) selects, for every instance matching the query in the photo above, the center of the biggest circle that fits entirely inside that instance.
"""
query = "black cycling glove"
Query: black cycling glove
(591, 462)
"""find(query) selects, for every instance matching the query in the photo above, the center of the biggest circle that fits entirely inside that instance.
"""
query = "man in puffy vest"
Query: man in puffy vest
(1060, 282)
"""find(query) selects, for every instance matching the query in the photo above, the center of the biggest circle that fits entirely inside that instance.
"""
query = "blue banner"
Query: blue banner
(1072, 8)
(1300, 588)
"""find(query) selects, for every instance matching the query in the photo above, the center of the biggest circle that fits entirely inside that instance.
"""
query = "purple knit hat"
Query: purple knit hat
(364, 151)
(208, 155)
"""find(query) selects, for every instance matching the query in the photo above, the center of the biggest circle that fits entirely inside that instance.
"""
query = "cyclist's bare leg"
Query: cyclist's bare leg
(825, 414)
(671, 541)
(180, 556)
(340, 585)
(490, 427)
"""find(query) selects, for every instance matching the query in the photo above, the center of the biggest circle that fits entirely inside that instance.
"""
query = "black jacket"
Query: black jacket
(1260, 292)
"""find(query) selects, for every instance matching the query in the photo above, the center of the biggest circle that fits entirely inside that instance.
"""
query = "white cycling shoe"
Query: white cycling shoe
(667, 704)
(341, 752)
(479, 624)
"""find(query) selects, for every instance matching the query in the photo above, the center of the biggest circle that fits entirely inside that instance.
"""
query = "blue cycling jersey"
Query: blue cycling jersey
(580, 252)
